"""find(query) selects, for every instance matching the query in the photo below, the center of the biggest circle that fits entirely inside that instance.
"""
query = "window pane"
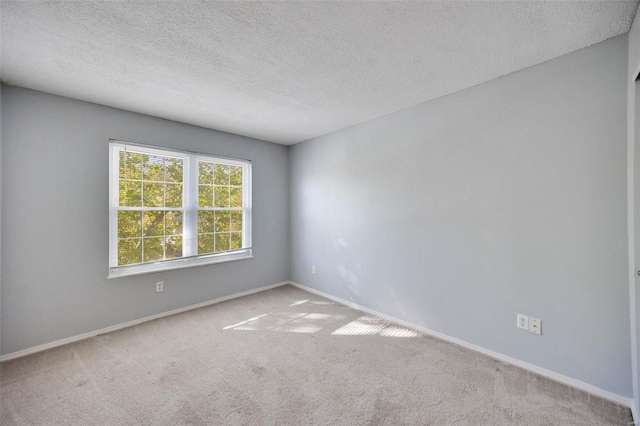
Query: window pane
(205, 243)
(221, 174)
(129, 251)
(222, 221)
(129, 224)
(236, 221)
(150, 210)
(205, 173)
(130, 193)
(152, 249)
(173, 169)
(173, 195)
(205, 196)
(236, 197)
(130, 165)
(173, 223)
(221, 196)
(236, 240)
(222, 242)
(153, 167)
(236, 175)
(173, 247)
(153, 194)
(205, 221)
(153, 223)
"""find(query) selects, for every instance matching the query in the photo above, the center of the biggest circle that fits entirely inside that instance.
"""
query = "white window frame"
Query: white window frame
(190, 209)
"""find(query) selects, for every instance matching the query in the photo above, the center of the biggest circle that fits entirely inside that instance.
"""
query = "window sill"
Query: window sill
(150, 268)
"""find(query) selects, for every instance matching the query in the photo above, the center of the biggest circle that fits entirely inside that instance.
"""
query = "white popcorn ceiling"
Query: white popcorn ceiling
(286, 71)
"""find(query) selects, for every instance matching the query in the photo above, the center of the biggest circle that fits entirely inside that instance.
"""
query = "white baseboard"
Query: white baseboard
(83, 336)
(627, 402)
(634, 413)
(610, 396)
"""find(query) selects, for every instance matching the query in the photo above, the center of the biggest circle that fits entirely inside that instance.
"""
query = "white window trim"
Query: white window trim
(190, 208)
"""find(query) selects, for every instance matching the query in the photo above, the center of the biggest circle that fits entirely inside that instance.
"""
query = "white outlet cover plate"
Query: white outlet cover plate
(535, 325)
(522, 322)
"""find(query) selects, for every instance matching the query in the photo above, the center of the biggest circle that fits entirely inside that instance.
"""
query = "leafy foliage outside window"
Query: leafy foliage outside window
(152, 187)
(168, 206)
(219, 207)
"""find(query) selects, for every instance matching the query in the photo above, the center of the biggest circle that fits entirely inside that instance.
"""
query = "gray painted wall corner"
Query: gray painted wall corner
(455, 215)
(55, 219)
(1, 190)
(633, 142)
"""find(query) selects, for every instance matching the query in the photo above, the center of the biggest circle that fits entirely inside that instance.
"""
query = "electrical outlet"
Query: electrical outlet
(535, 326)
(522, 322)
(313, 269)
(159, 286)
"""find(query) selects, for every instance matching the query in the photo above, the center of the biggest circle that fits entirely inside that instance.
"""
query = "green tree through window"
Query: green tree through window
(151, 200)
(219, 207)
(163, 212)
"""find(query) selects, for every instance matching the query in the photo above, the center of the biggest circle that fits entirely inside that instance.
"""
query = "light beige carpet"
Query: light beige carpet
(282, 357)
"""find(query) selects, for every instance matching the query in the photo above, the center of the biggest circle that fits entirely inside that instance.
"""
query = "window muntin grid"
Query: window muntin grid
(156, 221)
(220, 207)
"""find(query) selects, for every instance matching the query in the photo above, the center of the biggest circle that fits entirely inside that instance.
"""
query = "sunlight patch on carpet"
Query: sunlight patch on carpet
(370, 325)
(292, 322)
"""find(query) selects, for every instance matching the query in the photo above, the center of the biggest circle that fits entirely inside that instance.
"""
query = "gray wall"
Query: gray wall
(457, 214)
(633, 141)
(55, 219)
(1, 219)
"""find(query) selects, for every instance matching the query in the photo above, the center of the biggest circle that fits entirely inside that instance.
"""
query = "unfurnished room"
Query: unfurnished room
(320, 212)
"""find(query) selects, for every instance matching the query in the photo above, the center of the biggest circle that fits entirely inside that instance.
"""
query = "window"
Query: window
(173, 209)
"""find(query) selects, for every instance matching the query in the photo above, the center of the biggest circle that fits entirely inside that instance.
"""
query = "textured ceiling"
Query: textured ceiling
(286, 71)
